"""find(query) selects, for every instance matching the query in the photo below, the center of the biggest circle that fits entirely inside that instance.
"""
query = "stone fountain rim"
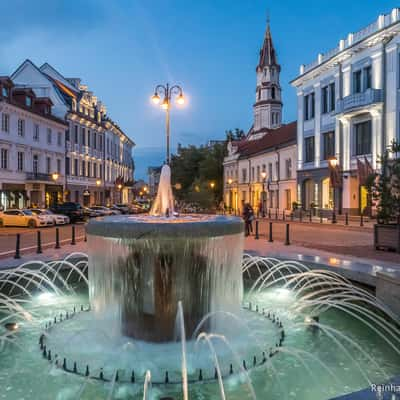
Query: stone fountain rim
(129, 227)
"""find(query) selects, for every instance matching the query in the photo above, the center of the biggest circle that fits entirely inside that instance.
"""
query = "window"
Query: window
(88, 168)
(367, 77)
(94, 140)
(76, 167)
(76, 140)
(83, 136)
(4, 159)
(288, 168)
(83, 172)
(332, 96)
(21, 127)
(252, 174)
(58, 166)
(36, 132)
(309, 149)
(324, 98)
(28, 101)
(309, 106)
(258, 173)
(48, 136)
(59, 139)
(357, 81)
(48, 165)
(67, 165)
(4, 91)
(35, 164)
(288, 197)
(259, 94)
(5, 122)
(270, 171)
(21, 156)
(244, 175)
(329, 145)
(88, 137)
(273, 93)
(100, 142)
(94, 170)
(277, 170)
(362, 138)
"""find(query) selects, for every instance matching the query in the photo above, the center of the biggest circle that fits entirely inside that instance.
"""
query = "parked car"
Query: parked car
(123, 208)
(72, 210)
(103, 211)
(90, 213)
(58, 219)
(25, 217)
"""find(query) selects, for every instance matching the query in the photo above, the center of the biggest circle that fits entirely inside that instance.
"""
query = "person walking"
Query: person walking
(248, 217)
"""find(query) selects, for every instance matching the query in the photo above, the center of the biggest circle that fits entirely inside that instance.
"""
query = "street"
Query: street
(28, 242)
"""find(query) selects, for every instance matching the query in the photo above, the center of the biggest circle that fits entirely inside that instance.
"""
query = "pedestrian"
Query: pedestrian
(248, 217)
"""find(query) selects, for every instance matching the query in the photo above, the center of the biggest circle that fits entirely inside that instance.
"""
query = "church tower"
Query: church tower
(268, 105)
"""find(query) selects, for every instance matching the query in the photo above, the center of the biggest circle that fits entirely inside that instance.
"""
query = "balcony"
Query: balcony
(358, 100)
(38, 177)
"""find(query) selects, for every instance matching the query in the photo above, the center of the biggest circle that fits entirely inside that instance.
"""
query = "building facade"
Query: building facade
(154, 174)
(348, 113)
(260, 169)
(32, 149)
(98, 157)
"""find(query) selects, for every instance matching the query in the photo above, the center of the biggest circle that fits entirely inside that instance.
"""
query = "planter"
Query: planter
(387, 237)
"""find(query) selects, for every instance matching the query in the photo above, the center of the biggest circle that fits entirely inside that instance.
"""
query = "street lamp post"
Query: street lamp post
(264, 177)
(230, 194)
(120, 192)
(98, 183)
(167, 92)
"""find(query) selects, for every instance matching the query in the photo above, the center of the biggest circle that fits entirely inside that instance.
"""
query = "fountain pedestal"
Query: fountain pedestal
(141, 267)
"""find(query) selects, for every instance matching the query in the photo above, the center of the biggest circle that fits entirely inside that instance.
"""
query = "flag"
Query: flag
(335, 176)
(362, 172)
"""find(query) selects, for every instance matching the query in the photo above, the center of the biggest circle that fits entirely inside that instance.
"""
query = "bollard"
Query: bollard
(287, 241)
(347, 218)
(254, 361)
(283, 215)
(18, 246)
(301, 216)
(269, 213)
(87, 373)
(310, 216)
(257, 235)
(39, 243)
(215, 373)
(75, 370)
(276, 213)
(270, 233)
(292, 216)
(64, 364)
(230, 369)
(73, 242)
(57, 239)
(334, 217)
(200, 375)
(166, 377)
(320, 217)
(362, 219)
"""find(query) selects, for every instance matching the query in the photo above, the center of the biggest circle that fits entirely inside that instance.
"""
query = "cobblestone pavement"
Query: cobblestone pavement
(353, 241)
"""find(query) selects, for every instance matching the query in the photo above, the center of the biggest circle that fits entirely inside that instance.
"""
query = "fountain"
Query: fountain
(176, 310)
(141, 267)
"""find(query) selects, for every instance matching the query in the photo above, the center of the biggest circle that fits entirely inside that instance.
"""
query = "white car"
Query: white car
(58, 219)
(25, 217)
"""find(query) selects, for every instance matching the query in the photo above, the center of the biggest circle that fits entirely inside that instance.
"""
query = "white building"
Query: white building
(99, 165)
(260, 169)
(32, 149)
(348, 111)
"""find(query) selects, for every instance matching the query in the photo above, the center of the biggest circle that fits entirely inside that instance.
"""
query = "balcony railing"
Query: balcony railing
(358, 100)
(32, 176)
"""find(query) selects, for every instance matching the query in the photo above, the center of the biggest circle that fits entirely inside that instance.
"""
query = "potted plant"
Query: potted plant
(384, 188)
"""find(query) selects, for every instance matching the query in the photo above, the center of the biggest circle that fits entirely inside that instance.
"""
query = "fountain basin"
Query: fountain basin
(141, 267)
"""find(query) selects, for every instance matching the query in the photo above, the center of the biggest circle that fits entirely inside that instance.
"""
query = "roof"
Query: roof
(279, 137)
(267, 52)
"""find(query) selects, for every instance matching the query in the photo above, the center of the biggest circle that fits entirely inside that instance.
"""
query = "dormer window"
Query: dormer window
(4, 91)
(28, 101)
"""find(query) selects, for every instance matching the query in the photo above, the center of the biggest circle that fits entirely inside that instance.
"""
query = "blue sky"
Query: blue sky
(122, 49)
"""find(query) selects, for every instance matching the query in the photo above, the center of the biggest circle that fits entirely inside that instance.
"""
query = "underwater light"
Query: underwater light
(45, 296)
(11, 326)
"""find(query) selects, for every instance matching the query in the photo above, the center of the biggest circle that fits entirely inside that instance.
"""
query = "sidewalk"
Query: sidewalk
(46, 256)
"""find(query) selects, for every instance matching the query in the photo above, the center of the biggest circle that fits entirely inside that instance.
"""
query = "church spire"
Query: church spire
(267, 52)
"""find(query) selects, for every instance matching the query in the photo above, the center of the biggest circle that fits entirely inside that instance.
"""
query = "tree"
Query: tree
(385, 186)
(237, 134)
(197, 174)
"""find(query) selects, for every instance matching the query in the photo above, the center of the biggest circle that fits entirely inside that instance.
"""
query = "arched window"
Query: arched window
(259, 94)
(273, 92)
